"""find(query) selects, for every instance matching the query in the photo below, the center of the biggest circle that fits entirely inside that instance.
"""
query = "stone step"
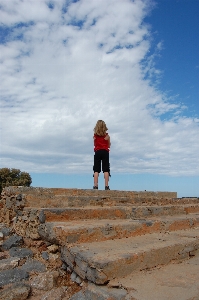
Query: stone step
(101, 262)
(154, 210)
(103, 200)
(51, 192)
(83, 231)
(59, 197)
(107, 212)
(77, 213)
(81, 201)
(45, 197)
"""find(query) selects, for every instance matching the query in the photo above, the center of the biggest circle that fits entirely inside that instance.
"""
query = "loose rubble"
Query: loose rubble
(26, 272)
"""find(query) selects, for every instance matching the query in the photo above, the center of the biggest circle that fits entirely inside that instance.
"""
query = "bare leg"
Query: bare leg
(96, 175)
(106, 178)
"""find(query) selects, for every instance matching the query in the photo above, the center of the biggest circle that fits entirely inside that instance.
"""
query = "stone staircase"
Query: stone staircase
(107, 234)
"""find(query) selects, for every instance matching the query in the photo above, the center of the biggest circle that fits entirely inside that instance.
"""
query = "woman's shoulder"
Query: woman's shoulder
(100, 136)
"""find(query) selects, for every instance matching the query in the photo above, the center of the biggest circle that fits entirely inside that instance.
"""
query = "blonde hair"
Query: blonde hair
(100, 128)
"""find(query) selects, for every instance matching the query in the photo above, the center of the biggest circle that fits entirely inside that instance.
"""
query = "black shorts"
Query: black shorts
(101, 155)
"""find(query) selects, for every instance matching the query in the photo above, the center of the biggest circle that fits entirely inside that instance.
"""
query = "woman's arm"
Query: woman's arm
(107, 137)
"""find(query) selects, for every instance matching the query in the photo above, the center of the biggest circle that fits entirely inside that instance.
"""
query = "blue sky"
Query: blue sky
(66, 64)
(176, 24)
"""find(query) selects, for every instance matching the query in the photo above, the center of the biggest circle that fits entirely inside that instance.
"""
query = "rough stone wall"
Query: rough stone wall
(11, 204)
(12, 213)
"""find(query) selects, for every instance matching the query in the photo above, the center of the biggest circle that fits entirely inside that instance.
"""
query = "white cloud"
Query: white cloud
(65, 67)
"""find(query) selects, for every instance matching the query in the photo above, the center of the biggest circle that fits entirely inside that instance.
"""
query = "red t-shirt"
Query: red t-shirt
(100, 143)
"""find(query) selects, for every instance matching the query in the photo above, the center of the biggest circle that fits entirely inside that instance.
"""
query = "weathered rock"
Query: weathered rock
(9, 202)
(78, 280)
(19, 197)
(6, 231)
(79, 296)
(1, 236)
(45, 281)
(13, 275)
(34, 243)
(45, 232)
(55, 260)
(53, 248)
(9, 263)
(42, 217)
(93, 292)
(20, 252)
(18, 291)
(33, 265)
(54, 294)
(1, 225)
(73, 276)
(4, 254)
(45, 255)
(64, 266)
(13, 241)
